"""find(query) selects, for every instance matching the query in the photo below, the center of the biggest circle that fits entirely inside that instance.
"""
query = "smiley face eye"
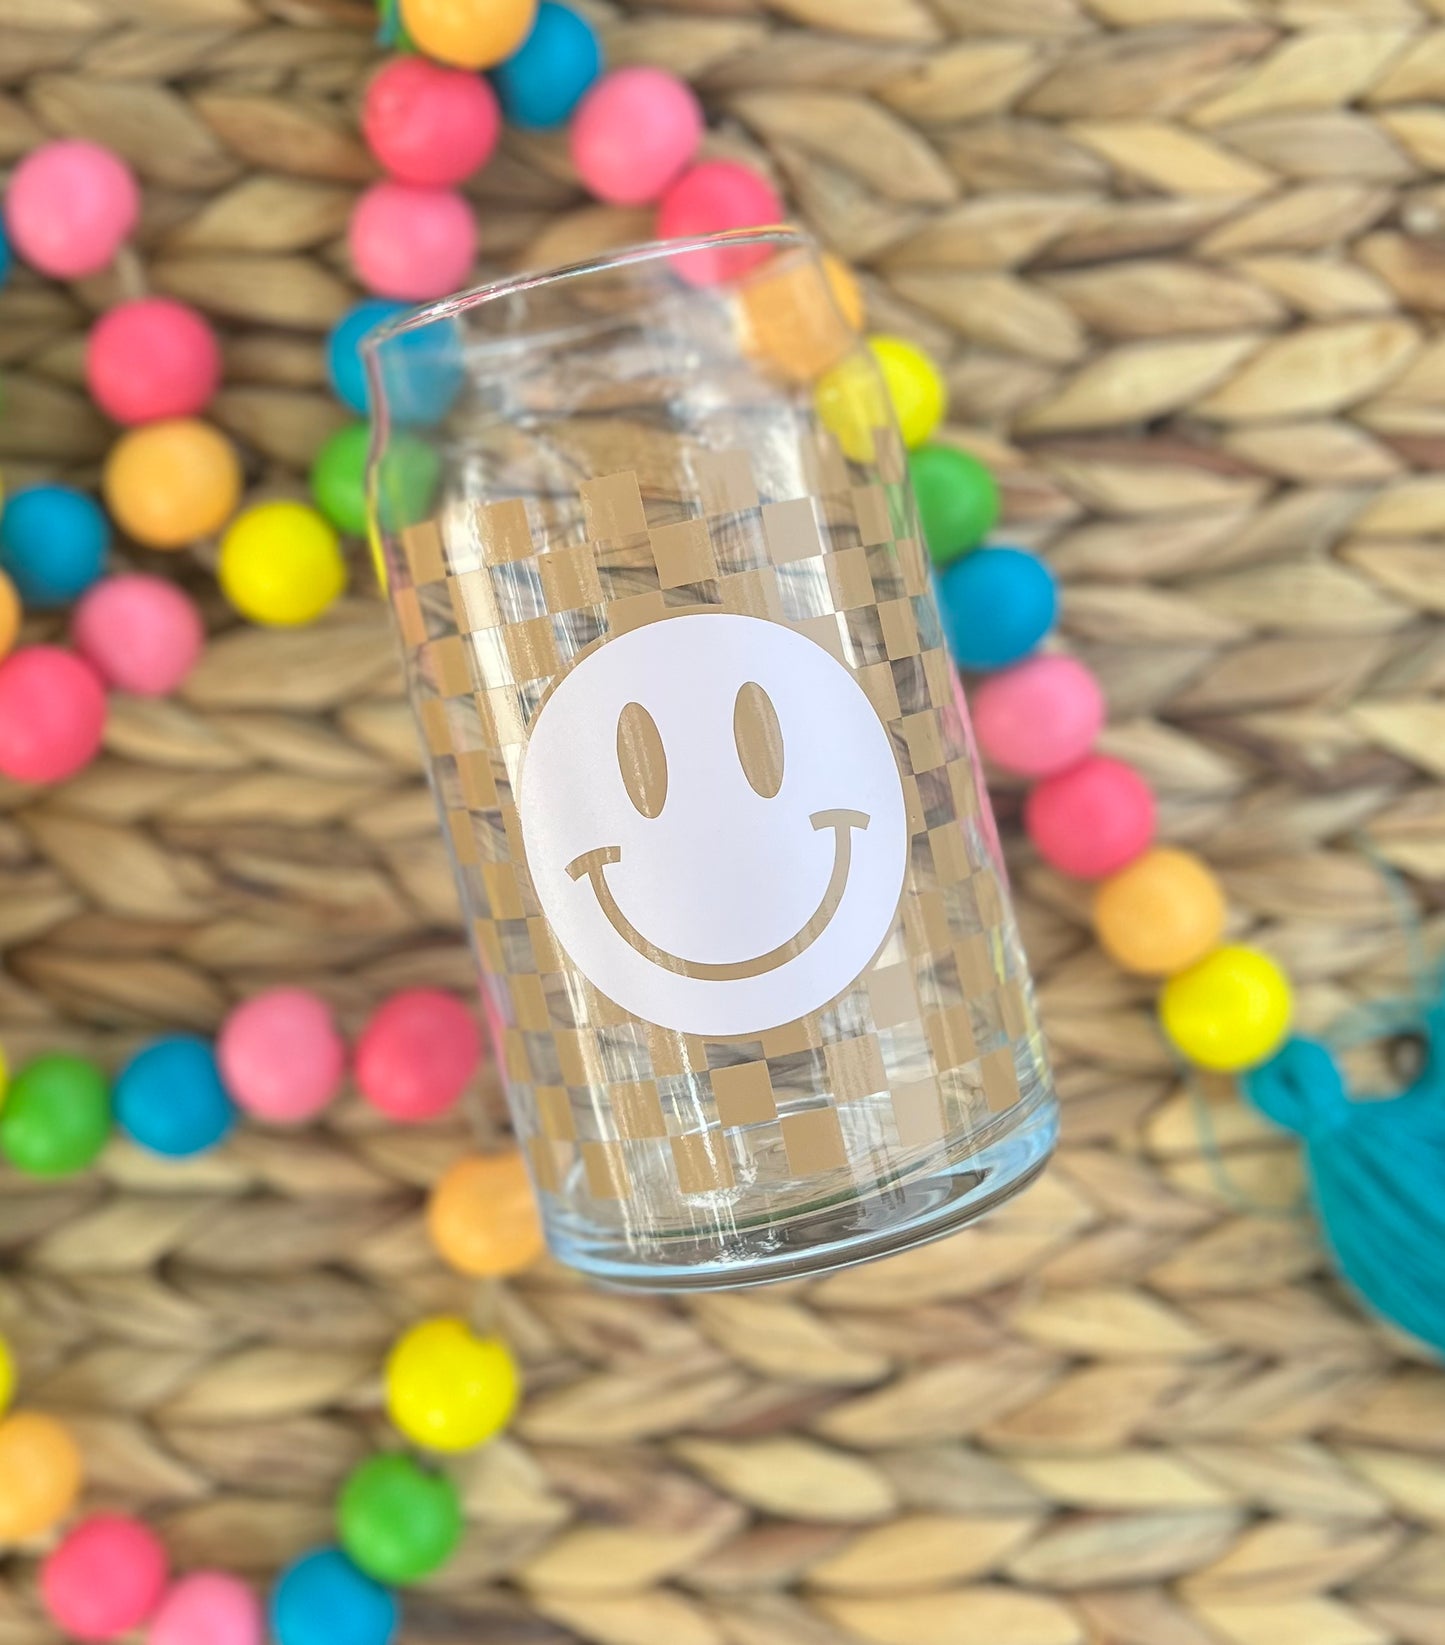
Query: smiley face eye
(641, 759)
(759, 738)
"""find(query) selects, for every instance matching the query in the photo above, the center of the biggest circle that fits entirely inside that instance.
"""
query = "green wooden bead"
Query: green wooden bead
(397, 1520)
(56, 1116)
(408, 477)
(957, 500)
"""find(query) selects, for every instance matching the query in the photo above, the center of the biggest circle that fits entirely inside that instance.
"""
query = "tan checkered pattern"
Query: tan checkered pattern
(930, 1045)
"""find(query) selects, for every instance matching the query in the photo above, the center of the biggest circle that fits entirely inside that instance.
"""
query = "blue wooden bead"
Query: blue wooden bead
(343, 357)
(53, 544)
(542, 83)
(323, 1599)
(997, 604)
(423, 367)
(169, 1098)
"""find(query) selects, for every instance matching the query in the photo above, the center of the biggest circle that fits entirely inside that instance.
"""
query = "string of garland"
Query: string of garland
(173, 480)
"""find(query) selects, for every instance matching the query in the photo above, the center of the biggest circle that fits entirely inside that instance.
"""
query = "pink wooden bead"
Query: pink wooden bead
(633, 133)
(69, 207)
(429, 124)
(281, 1056)
(52, 714)
(1092, 819)
(106, 1577)
(141, 634)
(710, 199)
(1039, 716)
(412, 243)
(152, 358)
(416, 1055)
(208, 1608)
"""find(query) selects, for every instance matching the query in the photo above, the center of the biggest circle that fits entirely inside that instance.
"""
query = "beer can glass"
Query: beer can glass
(703, 765)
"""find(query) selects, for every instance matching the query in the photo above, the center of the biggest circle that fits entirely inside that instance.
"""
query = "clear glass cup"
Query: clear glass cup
(704, 766)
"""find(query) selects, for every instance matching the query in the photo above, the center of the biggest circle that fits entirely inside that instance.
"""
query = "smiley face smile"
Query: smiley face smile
(592, 864)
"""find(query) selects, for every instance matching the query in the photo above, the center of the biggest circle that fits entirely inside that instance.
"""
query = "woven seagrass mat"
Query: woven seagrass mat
(1183, 259)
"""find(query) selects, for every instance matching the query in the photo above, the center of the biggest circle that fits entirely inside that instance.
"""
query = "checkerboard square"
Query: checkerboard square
(925, 746)
(612, 507)
(855, 1068)
(464, 840)
(744, 1094)
(635, 611)
(881, 690)
(474, 769)
(529, 1001)
(725, 482)
(449, 666)
(950, 853)
(918, 1113)
(850, 579)
(963, 785)
(473, 601)
(504, 532)
(976, 972)
(870, 509)
(683, 553)
(1000, 1079)
(436, 732)
(950, 1036)
(701, 1162)
(409, 618)
(637, 1110)
(501, 714)
(515, 1061)
(545, 1169)
(422, 545)
(914, 565)
(532, 649)
(1014, 1008)
(987, 896)
(827, 632)
(791, 529)
(900, 632)
(892, 996)
(944, 689)
(555, 1114)
(570, 578)
(752, 594)
(504, 898)
(605, 1167)
(545, 952)
(813, 1141)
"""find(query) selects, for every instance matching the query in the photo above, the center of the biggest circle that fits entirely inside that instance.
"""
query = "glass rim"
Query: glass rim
(645, 251)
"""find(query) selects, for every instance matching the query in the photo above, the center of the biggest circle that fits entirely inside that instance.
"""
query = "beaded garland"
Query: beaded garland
(153, 366)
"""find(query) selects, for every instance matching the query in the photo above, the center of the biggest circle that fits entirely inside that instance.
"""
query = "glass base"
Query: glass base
(893, 1218)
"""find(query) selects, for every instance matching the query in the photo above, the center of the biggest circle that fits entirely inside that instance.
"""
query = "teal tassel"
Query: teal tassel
(1376, 1170)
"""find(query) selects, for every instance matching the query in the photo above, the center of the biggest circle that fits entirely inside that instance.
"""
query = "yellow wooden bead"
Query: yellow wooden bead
(448, 1389)
(1161, 914)
(1229, 1011)
(915, 387)
(482, 1216)
(281, 564)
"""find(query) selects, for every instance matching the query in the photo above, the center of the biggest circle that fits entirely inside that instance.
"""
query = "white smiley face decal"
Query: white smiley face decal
(714, 823)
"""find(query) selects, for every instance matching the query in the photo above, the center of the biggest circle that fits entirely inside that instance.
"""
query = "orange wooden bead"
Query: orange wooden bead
(1161, 914)
(482, 1216)
(40, 1474)
(802, 323)
(168, 484)
(9, 614)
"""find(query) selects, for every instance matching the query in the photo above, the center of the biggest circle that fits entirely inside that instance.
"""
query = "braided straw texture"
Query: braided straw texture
(1182, 258)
